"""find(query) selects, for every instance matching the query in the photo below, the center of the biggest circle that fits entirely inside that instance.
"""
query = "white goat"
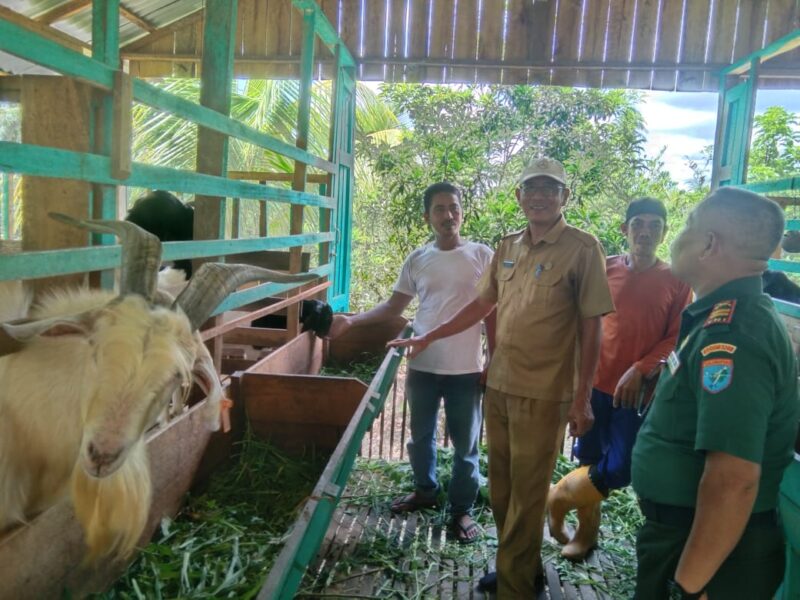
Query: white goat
(94, 372)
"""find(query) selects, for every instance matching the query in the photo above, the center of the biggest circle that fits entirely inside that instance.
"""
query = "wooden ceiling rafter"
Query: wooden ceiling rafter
(46, 31)
(136, 19)
(190, 19)
(63, 11)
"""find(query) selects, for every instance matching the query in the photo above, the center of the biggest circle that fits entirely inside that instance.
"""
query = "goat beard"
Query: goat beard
(113, 511)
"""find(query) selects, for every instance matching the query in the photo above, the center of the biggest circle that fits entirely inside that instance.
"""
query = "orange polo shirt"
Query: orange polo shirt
(542, 291)
(645, 326)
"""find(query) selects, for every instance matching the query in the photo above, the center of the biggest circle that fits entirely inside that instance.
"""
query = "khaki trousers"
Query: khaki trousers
(523, 436)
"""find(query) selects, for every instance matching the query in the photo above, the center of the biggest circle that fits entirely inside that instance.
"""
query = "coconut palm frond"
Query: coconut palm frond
(269, 106)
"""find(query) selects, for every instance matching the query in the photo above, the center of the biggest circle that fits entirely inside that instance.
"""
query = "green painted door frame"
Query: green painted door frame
(734, 128)
(343, 156)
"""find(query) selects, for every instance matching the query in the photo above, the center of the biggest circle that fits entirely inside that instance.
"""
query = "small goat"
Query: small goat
(93, 374)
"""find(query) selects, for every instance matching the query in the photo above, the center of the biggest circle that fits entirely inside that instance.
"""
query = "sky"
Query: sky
(684, 123)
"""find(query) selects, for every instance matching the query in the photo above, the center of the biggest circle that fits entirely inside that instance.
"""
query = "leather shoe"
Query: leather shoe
(488, 583)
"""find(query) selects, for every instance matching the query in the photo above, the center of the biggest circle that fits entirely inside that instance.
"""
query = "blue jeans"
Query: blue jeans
(609, 443)
(462, 413)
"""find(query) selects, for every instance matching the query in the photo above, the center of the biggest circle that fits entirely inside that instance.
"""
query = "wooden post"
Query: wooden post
(299, 180)
(219, 32)
(105, 48)
(56, 113)
(5, 193)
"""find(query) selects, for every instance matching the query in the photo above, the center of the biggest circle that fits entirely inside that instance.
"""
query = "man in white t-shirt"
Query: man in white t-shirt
(443, 275)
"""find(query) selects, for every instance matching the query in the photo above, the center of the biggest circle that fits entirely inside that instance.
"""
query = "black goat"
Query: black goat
(167, 218)
(170, 220)
(314, 315)
(779, 286)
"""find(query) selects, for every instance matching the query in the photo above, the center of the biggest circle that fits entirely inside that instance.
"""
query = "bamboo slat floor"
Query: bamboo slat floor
(368, 552)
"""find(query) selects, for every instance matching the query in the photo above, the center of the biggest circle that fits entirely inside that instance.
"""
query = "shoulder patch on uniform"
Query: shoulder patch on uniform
(721, 313)
(513, 234)
(584, 237)
(716, 374)
(718, 347)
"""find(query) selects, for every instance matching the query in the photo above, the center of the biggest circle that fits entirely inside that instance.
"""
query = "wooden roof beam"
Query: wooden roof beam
(163, 31)
(440, 62)
(136, 19)
(785, 44)
(43, 30)
(63, 11)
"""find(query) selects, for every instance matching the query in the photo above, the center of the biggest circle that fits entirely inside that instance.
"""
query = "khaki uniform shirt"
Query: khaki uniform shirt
(542, 291)
(730, 386)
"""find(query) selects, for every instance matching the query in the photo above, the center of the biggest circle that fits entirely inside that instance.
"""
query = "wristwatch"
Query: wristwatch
(676, 592)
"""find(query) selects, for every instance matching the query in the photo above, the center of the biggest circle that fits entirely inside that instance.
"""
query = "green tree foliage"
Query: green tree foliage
(480, 138)
(775, 150)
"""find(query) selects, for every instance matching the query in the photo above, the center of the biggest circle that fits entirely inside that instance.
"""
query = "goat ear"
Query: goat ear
(55, 327)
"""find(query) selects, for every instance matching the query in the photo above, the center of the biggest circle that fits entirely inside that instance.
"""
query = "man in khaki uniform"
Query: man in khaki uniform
(549, 285)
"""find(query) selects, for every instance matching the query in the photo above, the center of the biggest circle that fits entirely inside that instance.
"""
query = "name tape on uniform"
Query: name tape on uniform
(718, 347)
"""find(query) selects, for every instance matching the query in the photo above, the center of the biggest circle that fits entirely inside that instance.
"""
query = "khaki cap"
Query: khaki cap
(544, 167)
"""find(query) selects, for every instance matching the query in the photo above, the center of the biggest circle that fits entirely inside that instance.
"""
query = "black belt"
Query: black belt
(683, 516)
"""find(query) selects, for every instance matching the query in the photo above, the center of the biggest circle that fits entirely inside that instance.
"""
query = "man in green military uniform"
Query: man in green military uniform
(720, 430)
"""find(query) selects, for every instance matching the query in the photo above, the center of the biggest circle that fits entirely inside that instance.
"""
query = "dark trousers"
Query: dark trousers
(752, 571)
(609, 443)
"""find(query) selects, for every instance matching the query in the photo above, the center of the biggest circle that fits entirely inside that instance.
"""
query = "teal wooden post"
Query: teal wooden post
(216, 81)
(299, 178)
(5, 205)
(219, 33)
(344, 128)
(105, 48)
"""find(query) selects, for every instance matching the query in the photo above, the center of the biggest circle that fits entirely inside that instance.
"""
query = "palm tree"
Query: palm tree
(269, 106)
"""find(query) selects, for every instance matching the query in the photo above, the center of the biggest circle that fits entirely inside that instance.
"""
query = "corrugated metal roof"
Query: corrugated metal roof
(157, 13)
(647, 44)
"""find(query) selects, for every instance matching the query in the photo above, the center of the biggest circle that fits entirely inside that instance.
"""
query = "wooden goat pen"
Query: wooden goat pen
(283, 401)
(75, 154)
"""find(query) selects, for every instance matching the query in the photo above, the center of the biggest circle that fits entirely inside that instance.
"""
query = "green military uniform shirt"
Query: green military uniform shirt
(730, 386)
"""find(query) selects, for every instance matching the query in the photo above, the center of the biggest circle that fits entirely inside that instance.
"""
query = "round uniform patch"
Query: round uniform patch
(717, 374)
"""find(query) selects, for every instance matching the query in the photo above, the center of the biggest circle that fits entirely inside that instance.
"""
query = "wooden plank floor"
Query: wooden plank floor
(368, 552)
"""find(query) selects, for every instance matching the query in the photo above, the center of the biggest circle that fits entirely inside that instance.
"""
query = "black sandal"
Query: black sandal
(464, 535)
(410, 503)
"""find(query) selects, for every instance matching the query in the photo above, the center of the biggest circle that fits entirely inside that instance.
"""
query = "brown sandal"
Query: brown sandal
(410, 503)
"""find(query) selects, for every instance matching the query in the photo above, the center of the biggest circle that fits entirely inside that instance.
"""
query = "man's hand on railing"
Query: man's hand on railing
(415, 345)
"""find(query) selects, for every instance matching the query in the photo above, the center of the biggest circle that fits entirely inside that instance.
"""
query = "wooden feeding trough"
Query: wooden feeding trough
(289, 404)
(284, 400)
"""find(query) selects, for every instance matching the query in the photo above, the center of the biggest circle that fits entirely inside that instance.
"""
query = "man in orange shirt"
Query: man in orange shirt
(641, 333)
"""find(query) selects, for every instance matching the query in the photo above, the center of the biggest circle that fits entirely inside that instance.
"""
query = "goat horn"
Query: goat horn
(141, 252)
(213, 282)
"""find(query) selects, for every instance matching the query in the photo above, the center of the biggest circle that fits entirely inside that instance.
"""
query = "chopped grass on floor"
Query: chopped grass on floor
(402, 567)
(224, 541)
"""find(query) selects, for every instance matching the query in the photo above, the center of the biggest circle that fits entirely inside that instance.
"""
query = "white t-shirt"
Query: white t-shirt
(445, 281)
